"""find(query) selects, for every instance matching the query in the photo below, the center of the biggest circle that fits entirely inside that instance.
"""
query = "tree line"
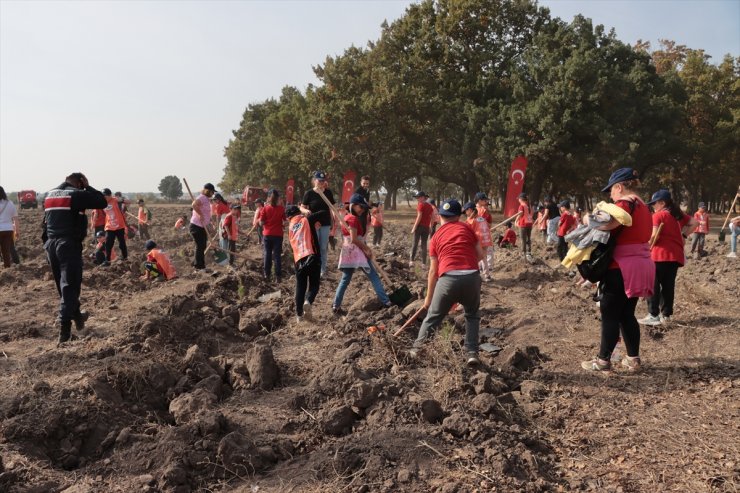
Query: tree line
(452, 91)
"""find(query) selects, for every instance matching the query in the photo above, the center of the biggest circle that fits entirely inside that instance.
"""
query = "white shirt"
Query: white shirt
(7, 213)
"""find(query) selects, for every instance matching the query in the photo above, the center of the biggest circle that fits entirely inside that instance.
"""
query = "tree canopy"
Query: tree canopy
(170, 187)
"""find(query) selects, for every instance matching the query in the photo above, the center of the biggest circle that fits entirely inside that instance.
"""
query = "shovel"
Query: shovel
(410, 321)
(398, 296)
(732, 208)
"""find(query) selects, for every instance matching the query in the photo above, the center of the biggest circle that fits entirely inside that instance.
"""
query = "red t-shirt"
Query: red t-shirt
(669, 245)
(509, 237)
(272, 217)
(354, 222)
(426, 210)
(483, 212)
(525, 220)
(454, 247)
(566, 223)
(642, 224)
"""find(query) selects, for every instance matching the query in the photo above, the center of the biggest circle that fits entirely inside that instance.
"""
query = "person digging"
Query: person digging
(453, 278)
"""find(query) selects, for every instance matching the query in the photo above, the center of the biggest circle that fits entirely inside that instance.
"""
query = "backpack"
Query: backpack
(595, 268)
(148, 215)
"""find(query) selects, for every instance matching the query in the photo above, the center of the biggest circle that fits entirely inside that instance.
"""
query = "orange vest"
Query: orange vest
(142, 215)
(163, 262)
(481, 230)
(299, 234)
(180, 223)
(114, 219)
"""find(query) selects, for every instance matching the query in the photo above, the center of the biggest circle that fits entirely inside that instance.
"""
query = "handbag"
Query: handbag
(595, 268)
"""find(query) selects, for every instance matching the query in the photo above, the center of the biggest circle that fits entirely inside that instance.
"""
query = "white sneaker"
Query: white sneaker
(307, 313)
(298, 319)
(649, 320)
(411, 264)
(732, 255)
(665, 319)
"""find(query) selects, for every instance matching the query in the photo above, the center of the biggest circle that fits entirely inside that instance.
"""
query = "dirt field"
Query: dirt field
(195, 385)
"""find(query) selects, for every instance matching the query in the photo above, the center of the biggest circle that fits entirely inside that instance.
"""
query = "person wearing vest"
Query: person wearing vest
(115, 227)
(230, 229)
(158, 265)
(697, 242)
(64, 230)
(304, 241)
(143, 217)
(479, 225)
(376, 221)
(524, 223)
(181, 223)
(98, 255)
(258, 205)
(98, 221)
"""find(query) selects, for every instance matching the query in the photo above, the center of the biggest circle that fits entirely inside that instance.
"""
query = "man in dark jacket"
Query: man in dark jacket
(65, 227)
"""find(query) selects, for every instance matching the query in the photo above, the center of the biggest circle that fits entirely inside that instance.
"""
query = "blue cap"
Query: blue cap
(450, 208)
(622, 174)
(319, 175)
(661, 194)
(209, 186)
(291, 211)
(468, 205)
(421, 193)
(523, 195)
(480, 196)
(565, 203)
(431, 201)
(702, 205)
(149, 245)
(356, 198)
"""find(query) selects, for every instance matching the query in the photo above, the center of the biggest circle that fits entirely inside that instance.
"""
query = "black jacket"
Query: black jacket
(65, 211)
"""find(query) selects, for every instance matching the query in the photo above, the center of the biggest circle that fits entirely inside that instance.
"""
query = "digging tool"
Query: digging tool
(410, 321)
(398, 296)
(506, 220)
(729, 213)
(193, 199)
(655, 237)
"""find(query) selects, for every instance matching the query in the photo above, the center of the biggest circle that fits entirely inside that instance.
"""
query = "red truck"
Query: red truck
(27, 199)
(250, 194)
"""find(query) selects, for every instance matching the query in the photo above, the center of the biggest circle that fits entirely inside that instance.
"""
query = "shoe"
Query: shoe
(307, 313)
(732, 255)
(298, 319)
(666, 319)
(650, 320)
(339, 312)
(65, 332)
(472, 359)
(414, 352)
(631, 363)
(586, 284)
(387, 305)
(596, 364)
(80, 320)
(105, 263)
(411, 264)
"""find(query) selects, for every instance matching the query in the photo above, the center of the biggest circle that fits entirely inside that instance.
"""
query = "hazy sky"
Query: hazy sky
(130, 91)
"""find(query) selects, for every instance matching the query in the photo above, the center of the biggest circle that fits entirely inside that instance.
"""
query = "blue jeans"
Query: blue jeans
(347, 277)
(323, 234)
(273, 250)
(735, 231)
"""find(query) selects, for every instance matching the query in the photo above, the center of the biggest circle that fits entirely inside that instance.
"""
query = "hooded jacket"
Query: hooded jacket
(64, 208)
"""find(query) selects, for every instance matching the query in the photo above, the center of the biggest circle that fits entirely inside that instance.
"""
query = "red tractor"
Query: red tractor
(250, 194)
(27, 199)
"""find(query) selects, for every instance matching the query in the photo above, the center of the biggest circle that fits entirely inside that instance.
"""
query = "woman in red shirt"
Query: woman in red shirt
(667, 253)
(272, 220)
(524, 223)
(630, 276)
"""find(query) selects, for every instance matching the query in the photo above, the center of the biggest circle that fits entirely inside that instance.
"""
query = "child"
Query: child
(99, 254)
(272, 220)
(230, 229)
(481, 207)
(697, 242)
(158, 265)
(482, 231)
(305, 244)
(541, 222)
(421, 227)
(578, 214)
(435, 217)
(508, 240)
(181, 223)
(566, 224)
(524, 223)
(376, 221)
(355, 254)
(258, 205)
(144, 216)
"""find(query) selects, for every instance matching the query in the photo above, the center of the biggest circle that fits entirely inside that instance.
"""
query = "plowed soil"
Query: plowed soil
(195, 385)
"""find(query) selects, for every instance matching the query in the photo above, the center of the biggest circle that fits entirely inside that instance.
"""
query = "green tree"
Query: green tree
(170, 187)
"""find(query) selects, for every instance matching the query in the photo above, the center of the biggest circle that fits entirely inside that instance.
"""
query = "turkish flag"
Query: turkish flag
(349, 186)
(289, 188)
(515, 186)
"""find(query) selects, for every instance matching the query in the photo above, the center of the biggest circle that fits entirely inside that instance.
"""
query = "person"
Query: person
(631, 274)
(734, 232)
(9, 227)
(230, 229)
(481, 206)
(98, 255)
(435, 217)
(305, 245)
(181, 222)
(702, 228)
(376, 221)
(524, 223)
(123, 202)
(258, 205)
(64, 230)
(508, 240)
(272, 220)
(199, 221)
(421, 227)
(552, 216)
(158, 265)
(355, 254)
(98, 221)
(144, 216)
(453, 278)
(578, 214)
(482, 231)
(364, 189)
(312, 202)
(115, 227)
(219, 208)
(668, 254)
(566, 224)
(541, 222)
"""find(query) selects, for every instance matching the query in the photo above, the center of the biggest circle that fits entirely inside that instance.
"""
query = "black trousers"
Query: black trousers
(307, 280)
(617, 311)
(421, 235)
(65, 259)
(525, 233)
(201, 240)
(110, 239)
(377, 234)
(665, 285)
(562, 247)
(232, 248)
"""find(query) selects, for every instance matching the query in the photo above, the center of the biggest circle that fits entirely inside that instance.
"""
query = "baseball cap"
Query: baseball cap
(356, 198)
(661, 194)
(259, 201)
(523, 195)
(107, 192)
(209, 186)
(319, 175)
(450, 208)
(468, 205)
(149, 245)
(291, 211)
(622, 174)
(421, 193)
(480, 196)
(565, 203)
(235, 206)
(702, 205)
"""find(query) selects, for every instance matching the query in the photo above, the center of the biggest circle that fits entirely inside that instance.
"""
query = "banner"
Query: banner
(515, 186)
(349, 185)
(289, 188)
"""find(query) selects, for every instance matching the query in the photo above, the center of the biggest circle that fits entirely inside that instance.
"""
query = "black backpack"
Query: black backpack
(595, 268)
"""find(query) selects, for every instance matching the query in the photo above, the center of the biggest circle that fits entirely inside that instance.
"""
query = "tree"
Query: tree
(171, 187)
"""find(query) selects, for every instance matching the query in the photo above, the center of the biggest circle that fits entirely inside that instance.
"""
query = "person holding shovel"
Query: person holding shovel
(355, 254)
(115, 227)
(312, 202)
(230, 229)
(143, 216)
(304, 242)
(455, 253)
(199, 221)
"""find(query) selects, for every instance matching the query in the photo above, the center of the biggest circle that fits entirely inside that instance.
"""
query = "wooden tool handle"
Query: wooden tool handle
(654, 240)
(732, 208)
(410, 321)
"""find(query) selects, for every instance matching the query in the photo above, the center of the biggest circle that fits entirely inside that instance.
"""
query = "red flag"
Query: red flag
(349, 185)
(516, 185)
(289, 188)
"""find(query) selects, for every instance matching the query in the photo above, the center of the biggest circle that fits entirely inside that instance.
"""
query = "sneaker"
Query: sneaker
(650, 320)
(298, 319)
(105, 263)
(732, 255)
(338, 311)
(65, 332)
(387, 305)
(631, 364)
(666, 319)
(80, 320)
(307, 313)
(596, 364)
(472, 358)
(411, 264)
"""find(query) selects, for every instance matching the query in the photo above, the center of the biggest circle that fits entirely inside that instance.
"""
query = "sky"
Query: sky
(130, 91)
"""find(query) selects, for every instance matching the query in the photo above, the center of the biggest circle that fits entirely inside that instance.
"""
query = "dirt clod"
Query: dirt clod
(264, 372)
